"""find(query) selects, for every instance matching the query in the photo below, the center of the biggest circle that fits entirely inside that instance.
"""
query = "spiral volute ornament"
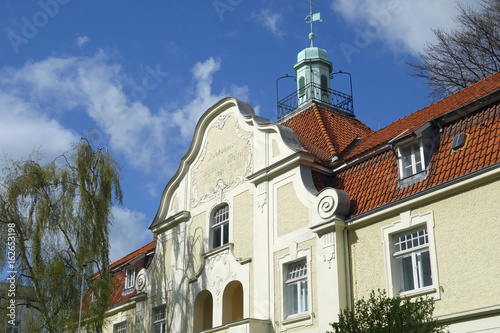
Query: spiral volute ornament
(327, 206)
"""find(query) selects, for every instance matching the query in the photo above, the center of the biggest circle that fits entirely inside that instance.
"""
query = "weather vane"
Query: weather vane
(312, 18)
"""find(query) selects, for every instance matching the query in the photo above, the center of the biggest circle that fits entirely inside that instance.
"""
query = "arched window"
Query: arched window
(302, 86)
(232, 302)
(220, 226)
(203, 311)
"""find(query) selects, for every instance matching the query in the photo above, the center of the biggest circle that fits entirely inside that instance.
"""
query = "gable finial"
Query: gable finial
(312, 18)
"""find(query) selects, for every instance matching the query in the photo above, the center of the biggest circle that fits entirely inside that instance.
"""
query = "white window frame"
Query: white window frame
(120, 327)
(296, 276)
(160, 321)
(219, 223)
(293, 257)
(413, 165)
(393, 275)
(129, 278)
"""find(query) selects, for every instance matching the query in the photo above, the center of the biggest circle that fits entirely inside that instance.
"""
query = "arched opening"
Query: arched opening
(203, 310)
(232, 302)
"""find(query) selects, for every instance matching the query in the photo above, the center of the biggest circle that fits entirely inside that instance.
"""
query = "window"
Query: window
(129, 278)
(411, 161)
(412, 260)
(302, 86)
(410, 256)
(159, 320)
(120, 328)
(296, 288)
(220, 227)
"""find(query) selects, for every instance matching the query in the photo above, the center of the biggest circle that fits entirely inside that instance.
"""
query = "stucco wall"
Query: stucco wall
(292, 214)
(196, 241)
(467, 234)
(243, 225)
(128, 315)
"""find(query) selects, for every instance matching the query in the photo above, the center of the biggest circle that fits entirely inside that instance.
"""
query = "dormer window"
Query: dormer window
(129, 279)
(411, 160)
(415, 154)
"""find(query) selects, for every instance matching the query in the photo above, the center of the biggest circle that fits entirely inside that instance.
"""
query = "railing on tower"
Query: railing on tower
(313, 92)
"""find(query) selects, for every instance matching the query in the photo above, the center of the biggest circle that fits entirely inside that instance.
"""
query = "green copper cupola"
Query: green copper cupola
(313, 69)
(313, 73)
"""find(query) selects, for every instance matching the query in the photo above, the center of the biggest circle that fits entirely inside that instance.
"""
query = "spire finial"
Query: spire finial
(312, 18)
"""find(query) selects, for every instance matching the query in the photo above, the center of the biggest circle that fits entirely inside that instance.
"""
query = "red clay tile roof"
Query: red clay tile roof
(374, 182)
(129, 257)
(326, 133)
(416, 119)
(119, 276)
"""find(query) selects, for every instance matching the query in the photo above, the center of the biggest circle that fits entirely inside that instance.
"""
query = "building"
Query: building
(17, 307)
(272, 227)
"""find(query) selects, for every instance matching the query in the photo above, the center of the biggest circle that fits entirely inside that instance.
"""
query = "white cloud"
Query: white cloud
(128, 232)
(270, 21)
(97, 87)
(24, 129)
(202, 98)
(402, 25)
(35, 96)
(81, 41)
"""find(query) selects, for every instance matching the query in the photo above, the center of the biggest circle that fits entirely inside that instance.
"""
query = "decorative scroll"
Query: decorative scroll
(327, 206)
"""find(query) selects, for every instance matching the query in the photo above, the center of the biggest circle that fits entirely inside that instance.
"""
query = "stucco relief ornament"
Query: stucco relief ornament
(326, 207)
(329, 255)
(240, 156)
(219, 272)
(141, 282)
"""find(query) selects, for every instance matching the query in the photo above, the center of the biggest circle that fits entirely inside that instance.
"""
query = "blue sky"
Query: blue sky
(140, 73)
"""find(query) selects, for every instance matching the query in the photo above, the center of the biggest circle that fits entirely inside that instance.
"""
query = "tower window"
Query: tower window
(302, 86)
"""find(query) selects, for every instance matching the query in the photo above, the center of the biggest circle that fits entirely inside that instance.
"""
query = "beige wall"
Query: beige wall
(243, 225)
(467, 236)
(292, 214)
(196, 241)
(119, 317)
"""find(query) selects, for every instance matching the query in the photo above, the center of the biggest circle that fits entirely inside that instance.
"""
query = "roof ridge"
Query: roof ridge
(133, 253)
(331, 148)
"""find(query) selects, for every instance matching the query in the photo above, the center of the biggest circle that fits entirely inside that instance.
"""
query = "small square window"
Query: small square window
(120, 328)
(296, 288)
(159, 320)
(220, 227)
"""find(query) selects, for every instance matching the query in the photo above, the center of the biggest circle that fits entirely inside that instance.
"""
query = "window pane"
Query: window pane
(303, 296)
(425, 269)
(291, 299)
(160, 328)
(225, 228)
(406, 272)
(216, 237)
(159, 314)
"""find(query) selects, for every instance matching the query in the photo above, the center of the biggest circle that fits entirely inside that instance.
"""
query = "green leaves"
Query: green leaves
(62, 216)
(380, 313)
